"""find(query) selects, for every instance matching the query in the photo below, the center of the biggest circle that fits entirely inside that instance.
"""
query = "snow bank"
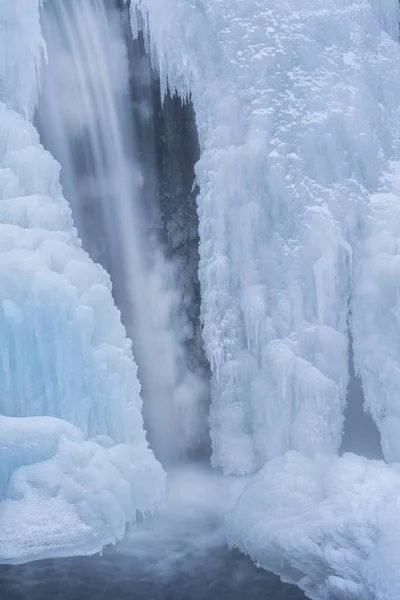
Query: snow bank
(297, 113)
(329, 525)
(63, 349)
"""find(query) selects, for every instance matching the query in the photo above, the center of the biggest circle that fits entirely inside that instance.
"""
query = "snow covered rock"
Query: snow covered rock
(329, 525)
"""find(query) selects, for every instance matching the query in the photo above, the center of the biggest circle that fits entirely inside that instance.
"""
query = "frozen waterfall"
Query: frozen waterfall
(297, 112)
(291, 218)
(297, 109)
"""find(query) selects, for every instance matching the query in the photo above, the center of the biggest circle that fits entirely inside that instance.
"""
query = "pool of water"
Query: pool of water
(179, 555)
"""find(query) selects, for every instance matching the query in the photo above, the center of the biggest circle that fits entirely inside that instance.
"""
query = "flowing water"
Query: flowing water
(85, 119)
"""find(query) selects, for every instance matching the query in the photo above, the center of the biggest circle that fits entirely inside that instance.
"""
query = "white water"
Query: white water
(85, 119)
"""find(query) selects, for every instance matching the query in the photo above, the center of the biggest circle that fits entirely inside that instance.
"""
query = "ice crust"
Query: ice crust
(297, 113)
(330, 525)
(74, 463)
(64, 495)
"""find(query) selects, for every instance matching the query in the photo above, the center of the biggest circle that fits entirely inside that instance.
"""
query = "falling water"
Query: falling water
(85, 120)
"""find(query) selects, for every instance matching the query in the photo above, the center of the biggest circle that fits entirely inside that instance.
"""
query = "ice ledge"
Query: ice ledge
(62, 494)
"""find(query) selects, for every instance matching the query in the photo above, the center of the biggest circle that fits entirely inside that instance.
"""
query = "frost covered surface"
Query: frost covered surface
(297, 113)
(63, 352)
(329, 525)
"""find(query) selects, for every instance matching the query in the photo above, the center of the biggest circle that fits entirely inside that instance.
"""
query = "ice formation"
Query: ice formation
(376, 315)
(328, 524)
(64, 495)
(74, 462)
(297, 109)
(297, 112)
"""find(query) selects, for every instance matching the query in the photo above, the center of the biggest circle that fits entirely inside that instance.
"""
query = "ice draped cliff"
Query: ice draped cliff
(297, 109)
(297, 112)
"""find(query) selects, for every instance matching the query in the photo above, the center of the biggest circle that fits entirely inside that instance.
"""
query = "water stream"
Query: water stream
(86, 120)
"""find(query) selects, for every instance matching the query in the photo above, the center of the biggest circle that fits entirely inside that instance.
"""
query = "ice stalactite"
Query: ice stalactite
(274, 250)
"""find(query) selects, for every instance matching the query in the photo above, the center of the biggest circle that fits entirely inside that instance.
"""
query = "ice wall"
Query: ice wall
(63, 350)
(295, 107)
(375, 293)
(376, 305)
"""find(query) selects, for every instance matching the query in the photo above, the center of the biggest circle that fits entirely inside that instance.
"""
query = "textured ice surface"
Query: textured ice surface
(297, 113)
(64, 495)
(63, 350)
(330, 525)
(376, 310)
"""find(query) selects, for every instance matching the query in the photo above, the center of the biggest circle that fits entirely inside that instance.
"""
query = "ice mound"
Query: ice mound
(329, 525)
(64, 495)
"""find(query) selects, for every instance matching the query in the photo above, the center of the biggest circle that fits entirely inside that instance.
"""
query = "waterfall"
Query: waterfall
(85, 118)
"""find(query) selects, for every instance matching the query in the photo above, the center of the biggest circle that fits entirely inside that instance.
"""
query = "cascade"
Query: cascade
(95, 117)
